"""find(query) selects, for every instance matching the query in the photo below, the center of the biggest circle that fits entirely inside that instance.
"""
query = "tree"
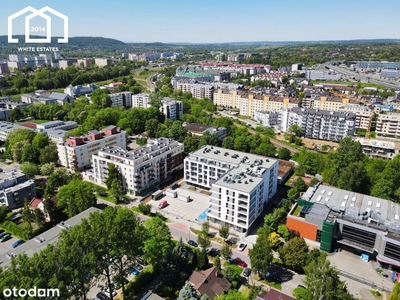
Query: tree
(3, 213)
(274, 240)
(49, 208)
(231, 295)
(145, 208)
(284, 232)
(232, 273)
(205, 228)
(323, 282)
(217, 262)
(76, 197)
(30, 154)
(224, 231)
(113, 173)
(226, 251)
(27, 216)
(202, 263)
(151, 127)
(29, 169)
(177, 132)
(158, 241)
(261, 253)
(58, 178)
(395, 295)
(48, 154)
(294, 254)
(296, 130)
(101, 98)
(40, 140)
(284, 153)
(300, 185)
(204, 241)
(293, 194)
(117, 190)
(188, 292)
(38, 217)
(47, 169)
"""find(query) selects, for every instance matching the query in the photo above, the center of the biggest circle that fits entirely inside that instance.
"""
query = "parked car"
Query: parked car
(133, 271)
(107, 293)
(137, 266)
(141, 261)
(242, 246)
(274, 277)
(5, 237)
(240, 262)
(163, 204)
(246, 272)
(102, 296)
(17, 243)
(192, 243)
(212, 251)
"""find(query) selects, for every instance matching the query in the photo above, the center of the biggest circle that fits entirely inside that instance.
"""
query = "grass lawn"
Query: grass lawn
(214, 239)
(273, 284)
(34, 121)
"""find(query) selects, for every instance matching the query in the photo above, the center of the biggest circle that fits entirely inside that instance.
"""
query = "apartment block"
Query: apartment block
(378, 149)
(121, 99)
(141, 100)
(171, 108)
(102, 62)
(83, 62)
(388, 124)
(351, 221)
(198, 91)
(3, 68)
(267, 119)
(76, 152)
(363, 115)
(15, 188)
(241, 184)
(320, 124)
(248, 104)
(142, 169)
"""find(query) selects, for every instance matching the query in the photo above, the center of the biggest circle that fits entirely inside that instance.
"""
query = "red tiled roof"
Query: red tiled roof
(29, 125)
(35, 202)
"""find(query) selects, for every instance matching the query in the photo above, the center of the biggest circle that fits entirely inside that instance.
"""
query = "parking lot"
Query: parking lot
(7, 246)
(194, 210)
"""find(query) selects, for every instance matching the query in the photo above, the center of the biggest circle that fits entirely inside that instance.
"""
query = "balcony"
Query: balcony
(242, 203)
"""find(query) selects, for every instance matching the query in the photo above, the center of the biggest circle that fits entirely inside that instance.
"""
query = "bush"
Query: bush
(145, 208)
(15, 230)
(141, 280)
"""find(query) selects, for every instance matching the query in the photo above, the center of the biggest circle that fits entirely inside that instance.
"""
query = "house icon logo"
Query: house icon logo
(29, 29)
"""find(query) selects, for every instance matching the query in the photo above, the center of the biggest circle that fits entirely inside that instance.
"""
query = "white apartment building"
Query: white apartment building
(76, 152)
(320, 124)
(198, 90)
(141, 100)
(121, 99)
(363, 115)
(102, 62)
(171, 108)
(378, 149)
(241, 184)
(388, 124)
(142, 169)
(267, 119)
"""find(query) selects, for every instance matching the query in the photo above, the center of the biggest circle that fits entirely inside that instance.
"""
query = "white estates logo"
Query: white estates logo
(29, 29)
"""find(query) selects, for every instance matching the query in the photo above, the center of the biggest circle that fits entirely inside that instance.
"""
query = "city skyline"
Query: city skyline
(178, 21)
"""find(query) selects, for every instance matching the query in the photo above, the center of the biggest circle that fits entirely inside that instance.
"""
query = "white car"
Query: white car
(242, 246)
(107, 293)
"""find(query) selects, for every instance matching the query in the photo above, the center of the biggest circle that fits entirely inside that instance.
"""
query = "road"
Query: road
(362, 77)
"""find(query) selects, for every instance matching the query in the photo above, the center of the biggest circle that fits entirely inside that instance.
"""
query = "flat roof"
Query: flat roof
(349, 205)
(40, 242)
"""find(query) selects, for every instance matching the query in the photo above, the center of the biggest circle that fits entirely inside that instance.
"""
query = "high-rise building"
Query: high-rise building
(171, 108)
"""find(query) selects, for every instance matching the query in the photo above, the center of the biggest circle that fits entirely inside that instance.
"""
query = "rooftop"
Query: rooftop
(40, 242)
(365, 210)
(327, 113)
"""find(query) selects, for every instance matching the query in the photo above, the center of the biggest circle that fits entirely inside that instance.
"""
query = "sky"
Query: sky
(216, 21)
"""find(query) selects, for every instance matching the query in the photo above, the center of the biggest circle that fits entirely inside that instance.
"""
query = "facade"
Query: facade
(241, 184)
(102, 62)
(141, 100)
(15, 188)
(199, 130)
(121, 99)
(76, 152)
(320, 124)
(47, 98)
(248, 104)
(342, 219)
(3, 68)
(322, 75)
(267, 119)
(141, 169)
(363, 115)
(171, 108)
(378, 149)
(388, 124)
(198, 90)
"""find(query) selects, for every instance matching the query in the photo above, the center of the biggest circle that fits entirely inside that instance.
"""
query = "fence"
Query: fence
(365, 281)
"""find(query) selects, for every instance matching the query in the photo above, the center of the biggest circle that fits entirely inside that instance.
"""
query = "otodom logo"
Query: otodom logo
(37, 29)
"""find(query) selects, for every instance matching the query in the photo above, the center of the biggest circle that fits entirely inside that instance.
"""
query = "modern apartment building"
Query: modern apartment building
(171, 108)
(198, 90)
(142, 169)
(76, 152)
(102, 62)
(363, 115)
(388, 124)
(241, 184)
(351, 221)
(141, 100)
(121, 99)
(320, 124)
(15, 188)
(378, 149)
(248, 104)
(268, 119)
